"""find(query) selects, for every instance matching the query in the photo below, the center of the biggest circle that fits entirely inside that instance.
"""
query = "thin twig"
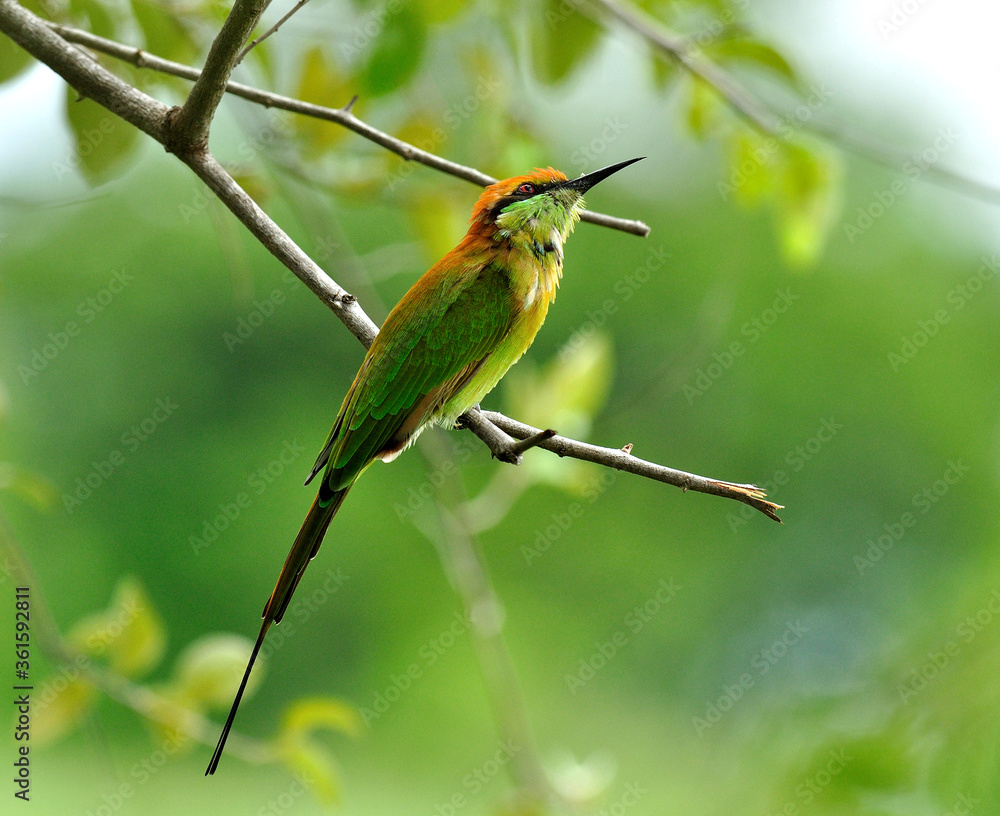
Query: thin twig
(767, 121)
(250, 46)
(621, 459)
(340, 116)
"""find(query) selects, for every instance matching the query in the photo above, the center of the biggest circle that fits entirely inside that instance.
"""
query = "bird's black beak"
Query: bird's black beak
(584, 183)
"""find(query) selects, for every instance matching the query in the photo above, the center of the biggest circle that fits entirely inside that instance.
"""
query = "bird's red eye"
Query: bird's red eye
(526, 188)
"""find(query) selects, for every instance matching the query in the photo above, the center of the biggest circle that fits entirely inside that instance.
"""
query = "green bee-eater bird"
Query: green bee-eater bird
(441, 350)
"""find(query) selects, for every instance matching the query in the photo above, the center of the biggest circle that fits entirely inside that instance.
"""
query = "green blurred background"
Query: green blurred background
(676, 655)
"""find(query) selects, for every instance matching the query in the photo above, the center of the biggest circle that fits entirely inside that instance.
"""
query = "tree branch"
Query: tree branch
(81, 71)
(340, 116)
(767, 121)
(623, 460)
(41, 40)
(193, 121)
(257, 41)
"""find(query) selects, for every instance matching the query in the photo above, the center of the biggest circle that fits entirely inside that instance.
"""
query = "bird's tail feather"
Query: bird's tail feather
(303, 550)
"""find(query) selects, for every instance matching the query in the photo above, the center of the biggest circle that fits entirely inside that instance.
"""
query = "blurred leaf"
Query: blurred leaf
(807, 204)
(129, 634)
(569, 391)
(664, 70)
(440, 11)
(307, 759)
(563, 42)
(99, 19)
(316, 769)
(754, 51)
(59, 708)
(164, 31)
(396, 53)
(13, 59)
(254, 185)
(174, 718)
(28, 486)
(104, 143)
(752, 167)
(703, 104)
(566, 395)
(440, 222)
(310, 713)
(321, 83)
(208, 672)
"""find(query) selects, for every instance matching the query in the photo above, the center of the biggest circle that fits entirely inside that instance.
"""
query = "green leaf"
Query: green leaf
(752, 167)
(208, 672)
(321, 83)
(129, 634)
(316, 769)
(99, 20)
(439, 220)
(66, 702)
(703, 105)
(562, 40)
(104, 142)
(309, 713)
(28, 486)
(164, 31)
(754, 51)
(808, 201)
(397, 50)
(309, 761)
(13, 59)
(440, 11)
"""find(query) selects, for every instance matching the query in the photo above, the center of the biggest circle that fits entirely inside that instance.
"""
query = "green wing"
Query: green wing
(430, 346)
